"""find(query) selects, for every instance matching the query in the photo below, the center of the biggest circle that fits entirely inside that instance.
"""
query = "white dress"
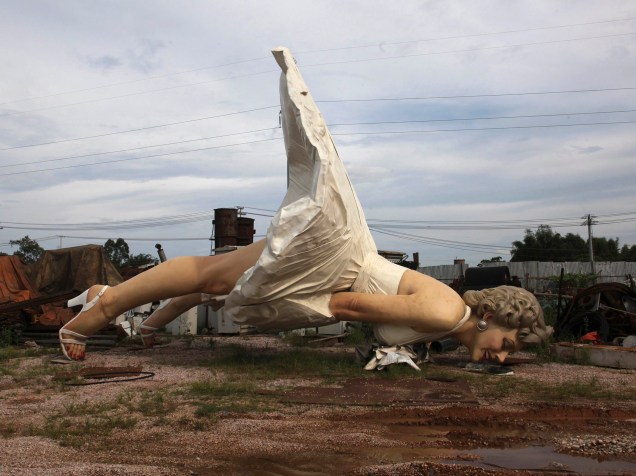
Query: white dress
(318, 243)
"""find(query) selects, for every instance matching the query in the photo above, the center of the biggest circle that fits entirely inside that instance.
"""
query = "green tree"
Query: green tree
(28, 250)
(606, 249)
(117, 251)
(628, 253)
(546, 245)
(494, 259)
(140, 260)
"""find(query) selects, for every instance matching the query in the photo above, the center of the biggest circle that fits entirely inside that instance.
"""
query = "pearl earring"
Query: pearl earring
(482, 325)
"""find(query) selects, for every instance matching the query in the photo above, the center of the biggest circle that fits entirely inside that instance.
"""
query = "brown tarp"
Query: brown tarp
(56, 273)
(14, 284)
(72, 270)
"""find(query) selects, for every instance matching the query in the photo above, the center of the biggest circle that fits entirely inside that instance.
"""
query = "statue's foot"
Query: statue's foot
(72, 341)
(147, 335)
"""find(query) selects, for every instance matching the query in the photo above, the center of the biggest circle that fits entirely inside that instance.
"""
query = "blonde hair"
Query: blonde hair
(514, 308)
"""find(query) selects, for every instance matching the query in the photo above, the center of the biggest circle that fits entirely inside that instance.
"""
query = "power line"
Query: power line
(483, 118)
(136, 148)
(143, 128)
(370, 45)
(335, 134)
(475, 96)
(429, 242)
(374, 222)
(88, 101)
(329, 64)
(465, 129)
(139, 158)
(527, 116)
(422, 98)
(458, 37)
(134, 81)
(469, 50)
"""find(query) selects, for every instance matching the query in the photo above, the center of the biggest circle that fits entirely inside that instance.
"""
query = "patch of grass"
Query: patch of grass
(77, 432)
(85, 423)
(34, 374)
(156, 403)
(299, 362)
(296, 339)
(591, 389)
(194, 424)
(86, 408)
(9, 335)
(214, 399)
(209, 389)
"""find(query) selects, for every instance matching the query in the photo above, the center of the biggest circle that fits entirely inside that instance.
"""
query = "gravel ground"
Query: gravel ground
(170, 431)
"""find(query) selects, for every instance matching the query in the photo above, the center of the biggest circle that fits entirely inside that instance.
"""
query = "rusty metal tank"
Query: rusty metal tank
(225, 227)
(245, 231)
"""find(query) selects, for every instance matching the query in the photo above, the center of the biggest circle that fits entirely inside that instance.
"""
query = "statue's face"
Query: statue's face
(493, 344)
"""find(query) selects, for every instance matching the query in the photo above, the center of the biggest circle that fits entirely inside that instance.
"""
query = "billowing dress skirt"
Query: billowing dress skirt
(318, 243)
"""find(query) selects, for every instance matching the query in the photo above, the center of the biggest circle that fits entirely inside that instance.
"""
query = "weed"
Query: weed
(209, 389)
(188, 339)
(300, 362)
(86, 408)
(359, 333)
(155, 404)
(6, 337)
(499, 387)
(76, 432)
(297, 339)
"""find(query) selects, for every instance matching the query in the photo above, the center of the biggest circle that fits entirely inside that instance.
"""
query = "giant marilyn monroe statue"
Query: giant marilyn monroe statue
(318, 264)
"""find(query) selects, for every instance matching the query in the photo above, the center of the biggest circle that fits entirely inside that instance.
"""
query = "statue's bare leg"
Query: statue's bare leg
(176, 277)
(166, 313)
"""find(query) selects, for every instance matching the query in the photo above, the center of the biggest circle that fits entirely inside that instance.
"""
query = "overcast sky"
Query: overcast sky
(460, 122)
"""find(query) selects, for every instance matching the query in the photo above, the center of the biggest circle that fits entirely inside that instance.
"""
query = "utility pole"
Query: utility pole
(589, 221)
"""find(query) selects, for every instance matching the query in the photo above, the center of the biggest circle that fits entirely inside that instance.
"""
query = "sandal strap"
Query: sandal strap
(73, 333)
(148, 328)
(73, 341)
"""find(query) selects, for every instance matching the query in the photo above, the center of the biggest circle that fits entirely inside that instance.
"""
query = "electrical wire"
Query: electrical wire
(465, 129)
(468, 129)
(136, 148)
(139, 158)
(331, 63)
(459, 37)
(143, 128)
(370, 45)
(89, 101)
(475, 96)
(413, 98)
(373, 222)
(329, 125)
(468, 50)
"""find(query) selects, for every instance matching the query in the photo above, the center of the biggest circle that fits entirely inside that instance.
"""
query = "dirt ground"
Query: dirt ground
(257, 405)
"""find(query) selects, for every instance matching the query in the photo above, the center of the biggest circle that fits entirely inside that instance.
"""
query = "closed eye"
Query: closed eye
(508, 345)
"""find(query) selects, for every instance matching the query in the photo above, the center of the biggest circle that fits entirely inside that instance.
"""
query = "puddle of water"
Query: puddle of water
(417, 433)
(406, 455)
(543, 458)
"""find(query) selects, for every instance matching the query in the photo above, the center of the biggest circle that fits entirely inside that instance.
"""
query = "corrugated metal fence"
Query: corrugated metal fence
(533, 274)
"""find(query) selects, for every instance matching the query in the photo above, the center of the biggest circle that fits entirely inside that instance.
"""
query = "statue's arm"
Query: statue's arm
(422, 303)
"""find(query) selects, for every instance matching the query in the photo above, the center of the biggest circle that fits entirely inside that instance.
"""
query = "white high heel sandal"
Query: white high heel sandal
(79, 300)
(150, 328)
